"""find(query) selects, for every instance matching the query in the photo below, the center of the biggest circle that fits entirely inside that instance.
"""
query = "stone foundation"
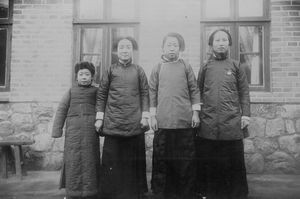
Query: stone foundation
(272, 147)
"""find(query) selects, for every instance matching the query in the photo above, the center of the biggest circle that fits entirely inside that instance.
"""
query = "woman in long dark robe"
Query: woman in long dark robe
(225, 115)
(122, 107)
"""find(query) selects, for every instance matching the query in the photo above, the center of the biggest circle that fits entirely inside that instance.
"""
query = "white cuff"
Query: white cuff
(99, 116)
(246, 118)
(152, 111)
(196, 107)
(145, 114)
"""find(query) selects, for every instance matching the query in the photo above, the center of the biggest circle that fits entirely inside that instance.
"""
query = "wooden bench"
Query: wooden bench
(18, 156)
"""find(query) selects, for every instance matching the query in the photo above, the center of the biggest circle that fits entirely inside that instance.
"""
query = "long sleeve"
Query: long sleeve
(243, 89)
(153, 87)
(144, 90)
(193, 88)
(102, 92)
(60, 116)
(200, 82)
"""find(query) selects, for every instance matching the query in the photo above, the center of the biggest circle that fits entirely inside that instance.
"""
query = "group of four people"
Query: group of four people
(191, 159)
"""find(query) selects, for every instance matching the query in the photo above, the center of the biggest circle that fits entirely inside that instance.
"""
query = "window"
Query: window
(248, 22)
(6, 8)
(97, 25)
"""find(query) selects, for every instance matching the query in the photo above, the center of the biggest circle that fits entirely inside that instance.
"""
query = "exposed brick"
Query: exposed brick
(291, 7)
(280, 3)
(291, 19)
(280, 13)
(17, 2)
(294, 13)
(17, 12)
(54, 1)
(32, 1)
(275, 8)
(293, 74)
(296, 2)
(292, 43)
(292, 29)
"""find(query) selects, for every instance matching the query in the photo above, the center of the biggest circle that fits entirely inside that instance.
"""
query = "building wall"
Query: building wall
(41, 71)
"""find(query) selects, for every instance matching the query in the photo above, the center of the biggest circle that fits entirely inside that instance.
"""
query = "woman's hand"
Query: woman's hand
(98, 125)
(245, 121)
(144, 124)
(154, 125)
(195, 119)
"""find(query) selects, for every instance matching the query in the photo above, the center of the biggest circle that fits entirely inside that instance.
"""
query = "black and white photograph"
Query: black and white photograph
(149, 99)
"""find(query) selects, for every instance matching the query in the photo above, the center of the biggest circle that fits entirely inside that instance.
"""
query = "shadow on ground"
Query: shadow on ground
(44, 185)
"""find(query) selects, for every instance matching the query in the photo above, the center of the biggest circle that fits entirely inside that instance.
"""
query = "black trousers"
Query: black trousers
(173, 166)
(221, 172)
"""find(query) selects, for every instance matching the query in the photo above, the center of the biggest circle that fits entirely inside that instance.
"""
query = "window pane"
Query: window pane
(250, 8)
(251, 51)
(92, 40)
(3, 40)
(4, 8)
(116, 33)
(91, 9)
(123, 9)
(250, 38)
(92, 44)
(252, 62)
(217, 8)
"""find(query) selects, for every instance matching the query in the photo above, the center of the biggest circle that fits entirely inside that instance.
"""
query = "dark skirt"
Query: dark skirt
(123, 168)
(173, 170)
(221, 172)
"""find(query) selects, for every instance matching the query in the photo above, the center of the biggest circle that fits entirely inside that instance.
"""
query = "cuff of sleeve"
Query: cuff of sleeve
(196, 107)
(152, 111)
(99, 116)
(146, 114)
(246, 118)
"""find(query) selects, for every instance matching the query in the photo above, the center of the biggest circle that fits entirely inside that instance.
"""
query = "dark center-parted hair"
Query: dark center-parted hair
(85, 65)
(212, 35)
(131, 39)
(179, 39)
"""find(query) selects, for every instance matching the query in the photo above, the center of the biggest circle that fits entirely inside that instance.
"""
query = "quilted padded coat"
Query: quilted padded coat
(225, 96)
(123, 95)
(81, 150)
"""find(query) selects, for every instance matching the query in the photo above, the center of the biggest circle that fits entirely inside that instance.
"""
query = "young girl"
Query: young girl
(122, 106)
(82, 154)
(174, 108)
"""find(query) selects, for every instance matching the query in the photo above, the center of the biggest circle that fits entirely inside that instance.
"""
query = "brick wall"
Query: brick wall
(41, 49)
(285, 54)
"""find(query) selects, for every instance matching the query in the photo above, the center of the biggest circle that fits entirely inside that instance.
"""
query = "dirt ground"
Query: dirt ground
(44, 185)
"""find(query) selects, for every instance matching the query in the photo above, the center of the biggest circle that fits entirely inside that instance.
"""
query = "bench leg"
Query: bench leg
(3, 159)
(24, 171)
(17, 150)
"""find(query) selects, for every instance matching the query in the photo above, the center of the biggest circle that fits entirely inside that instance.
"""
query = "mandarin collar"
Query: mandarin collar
(84, 86)
(125, 63)
(219, 56)
(165, 60)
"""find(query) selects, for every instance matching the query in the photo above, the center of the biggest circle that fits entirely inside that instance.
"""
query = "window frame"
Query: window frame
(106, 24)
(234, 22)
(6, 23)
